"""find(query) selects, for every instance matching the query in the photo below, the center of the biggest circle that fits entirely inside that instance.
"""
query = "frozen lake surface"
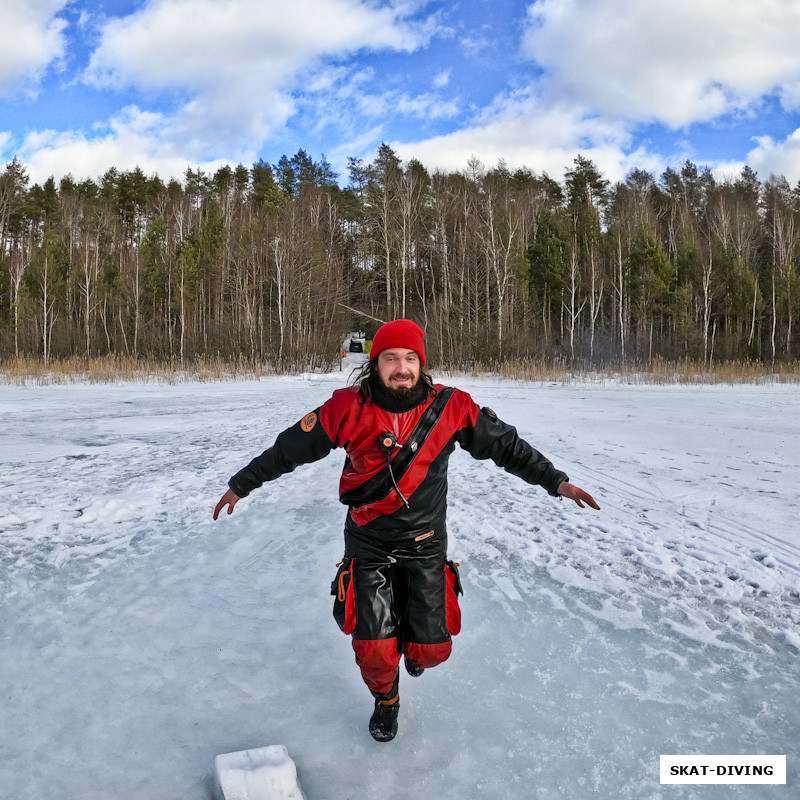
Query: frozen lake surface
(140, 639)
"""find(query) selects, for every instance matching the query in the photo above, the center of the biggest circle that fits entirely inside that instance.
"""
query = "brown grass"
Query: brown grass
(112, 369)
(658, 371)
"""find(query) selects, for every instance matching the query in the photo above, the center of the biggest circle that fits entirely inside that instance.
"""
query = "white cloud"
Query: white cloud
(342, 103)
(225, 77)
(772, 157)
(134, 138)
(475, 45)
(31, 37)
(426, 107)
(202, 44)
(240, 65)
(421, 106)
(442, 79)
(523, 132)
(607, 66)
(247, 47)
(676, 61)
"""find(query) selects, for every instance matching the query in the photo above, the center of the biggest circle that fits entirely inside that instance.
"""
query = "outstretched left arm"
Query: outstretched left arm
(490, 437)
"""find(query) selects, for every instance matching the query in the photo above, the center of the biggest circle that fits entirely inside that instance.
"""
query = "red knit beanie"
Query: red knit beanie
(400, 333)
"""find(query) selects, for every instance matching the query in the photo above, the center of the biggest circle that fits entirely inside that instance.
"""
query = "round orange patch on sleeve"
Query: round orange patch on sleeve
(309, 421)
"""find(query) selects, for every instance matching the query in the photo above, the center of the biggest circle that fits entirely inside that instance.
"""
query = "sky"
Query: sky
(168, 85)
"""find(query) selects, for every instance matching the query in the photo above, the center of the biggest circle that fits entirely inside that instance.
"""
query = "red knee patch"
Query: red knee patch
(428, 655)
(378, 660)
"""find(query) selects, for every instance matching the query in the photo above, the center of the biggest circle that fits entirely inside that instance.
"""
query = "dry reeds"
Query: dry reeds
(657, 371)
(114, 368)
(725, 372)
(111, 369)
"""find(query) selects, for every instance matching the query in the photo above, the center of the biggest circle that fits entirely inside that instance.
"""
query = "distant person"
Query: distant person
(396, 590)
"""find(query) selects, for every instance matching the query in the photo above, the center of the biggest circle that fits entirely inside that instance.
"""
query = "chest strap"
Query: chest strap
(379, 485)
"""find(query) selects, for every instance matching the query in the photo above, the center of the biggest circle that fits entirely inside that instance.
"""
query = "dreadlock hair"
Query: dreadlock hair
(365, 376)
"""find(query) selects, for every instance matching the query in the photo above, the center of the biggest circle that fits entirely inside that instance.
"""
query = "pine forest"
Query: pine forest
(275, 264)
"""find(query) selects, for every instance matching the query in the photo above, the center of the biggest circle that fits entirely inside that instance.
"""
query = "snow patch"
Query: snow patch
(264, 773)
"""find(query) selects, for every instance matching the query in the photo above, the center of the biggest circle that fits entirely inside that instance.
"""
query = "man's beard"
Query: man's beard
(401, 398)
(404, 391)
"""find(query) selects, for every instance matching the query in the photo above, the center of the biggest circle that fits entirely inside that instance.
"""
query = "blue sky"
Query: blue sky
(171, 84)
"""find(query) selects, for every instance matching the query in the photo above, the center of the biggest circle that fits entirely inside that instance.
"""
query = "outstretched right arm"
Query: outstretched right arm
(304, 442)
(230, 499)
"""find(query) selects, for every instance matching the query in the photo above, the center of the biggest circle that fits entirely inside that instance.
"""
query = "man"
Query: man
(396, 591)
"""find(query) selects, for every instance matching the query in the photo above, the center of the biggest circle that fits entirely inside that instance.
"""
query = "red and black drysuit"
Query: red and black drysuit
(403, 591)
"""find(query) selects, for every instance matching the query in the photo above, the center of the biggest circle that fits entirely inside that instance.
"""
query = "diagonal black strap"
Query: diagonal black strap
(380, 484)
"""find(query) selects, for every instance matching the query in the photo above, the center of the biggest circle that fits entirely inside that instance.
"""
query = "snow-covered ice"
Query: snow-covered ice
(140, 639)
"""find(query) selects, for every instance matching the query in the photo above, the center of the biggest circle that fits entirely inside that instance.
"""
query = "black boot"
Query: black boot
(383, 723)
(411, 668)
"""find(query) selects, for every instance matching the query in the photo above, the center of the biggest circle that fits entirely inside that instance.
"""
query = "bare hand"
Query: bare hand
(572, 492)
(230, 499)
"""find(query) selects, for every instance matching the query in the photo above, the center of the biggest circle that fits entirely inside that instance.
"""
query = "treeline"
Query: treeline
(275, 264)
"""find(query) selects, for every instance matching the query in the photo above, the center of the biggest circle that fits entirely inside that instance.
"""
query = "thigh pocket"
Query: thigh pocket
(452, 591)
(344, 596)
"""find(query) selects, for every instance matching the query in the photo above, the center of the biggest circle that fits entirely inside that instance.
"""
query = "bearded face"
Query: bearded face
(399, 370)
